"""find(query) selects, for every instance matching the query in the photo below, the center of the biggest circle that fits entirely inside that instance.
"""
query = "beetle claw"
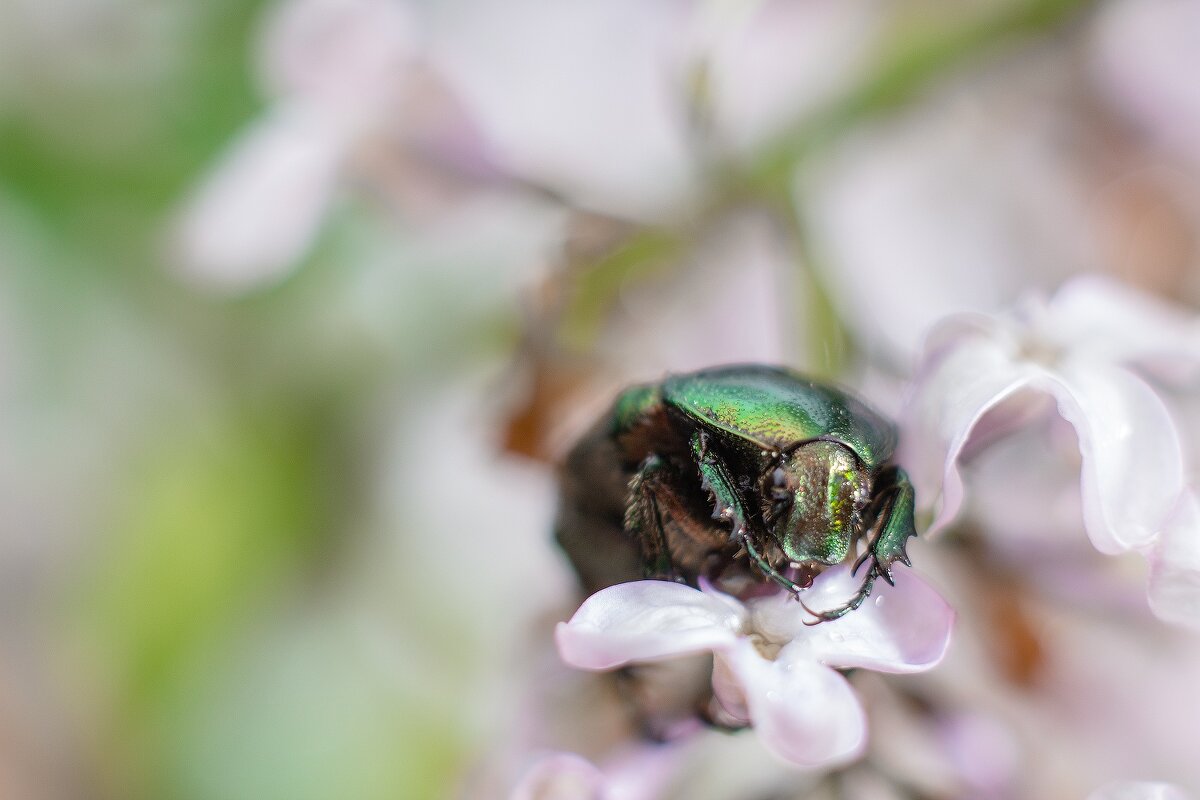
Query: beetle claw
(852, 604)
(810, 611)
(833, 613)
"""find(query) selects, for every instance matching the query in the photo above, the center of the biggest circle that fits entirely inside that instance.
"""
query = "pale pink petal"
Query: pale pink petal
(915, 217)
(968, 374)
(645, 620)
(901, 628)
(561, 776)
(1174, 587)
(802, 712)
(1108, 320)
(635, 772)
(258, 212)
(641, 771)
(727, 687)
(771, 62)
(1139, 791)
(984, 752)
(1147, 53)
(1132, 467)
(608, 130)
(341, 56)
(748, 260)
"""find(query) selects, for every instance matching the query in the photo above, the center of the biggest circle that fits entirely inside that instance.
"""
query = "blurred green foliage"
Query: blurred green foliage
(181, 626)
(104, 161)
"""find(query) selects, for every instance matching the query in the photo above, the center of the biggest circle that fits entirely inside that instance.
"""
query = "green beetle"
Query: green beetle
(738, 470)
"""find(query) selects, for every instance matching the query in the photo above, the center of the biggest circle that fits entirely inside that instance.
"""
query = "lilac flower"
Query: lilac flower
(634, 773)
(618, 134)
(1139, 791)
(962, 203)
(770, 669)
(352, 96)
(1091, 348)
(1174, 583)
(561, 776)
(1143, 52)
(329, 66)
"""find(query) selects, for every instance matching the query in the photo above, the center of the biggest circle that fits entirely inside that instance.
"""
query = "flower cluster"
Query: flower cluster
(772, 669)
(1102, 352)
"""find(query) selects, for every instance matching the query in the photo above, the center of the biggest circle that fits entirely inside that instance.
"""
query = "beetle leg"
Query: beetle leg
(895, 525)
(717, 481)
(767, 569)
(854, 602)
(644, 520)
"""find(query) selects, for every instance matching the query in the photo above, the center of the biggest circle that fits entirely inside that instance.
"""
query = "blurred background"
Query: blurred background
(300, 300)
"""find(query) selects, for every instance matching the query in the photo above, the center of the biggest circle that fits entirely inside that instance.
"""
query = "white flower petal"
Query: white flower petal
(970, 373)
(607, 130)
(343, 56)
(727, 688)
(772, 62)
(634, 772)
(1132, 470)
(803, 712)
(901, 628)
(642, 621)
(1144, 52)
(1139, 791)
(642, 771)
(1132, 466)
(1110, 321)
(259, 211)
(1174, 587)
(560, 776)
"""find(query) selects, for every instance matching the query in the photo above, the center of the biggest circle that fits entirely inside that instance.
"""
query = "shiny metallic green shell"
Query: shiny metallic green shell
(777, 409)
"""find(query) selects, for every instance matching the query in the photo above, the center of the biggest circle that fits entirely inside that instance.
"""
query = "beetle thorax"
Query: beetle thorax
(814, 501)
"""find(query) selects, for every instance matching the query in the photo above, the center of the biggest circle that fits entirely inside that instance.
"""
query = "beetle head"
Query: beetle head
(813, 502)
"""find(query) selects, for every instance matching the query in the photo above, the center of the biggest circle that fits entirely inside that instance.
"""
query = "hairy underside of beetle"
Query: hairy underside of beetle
(599, 491)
